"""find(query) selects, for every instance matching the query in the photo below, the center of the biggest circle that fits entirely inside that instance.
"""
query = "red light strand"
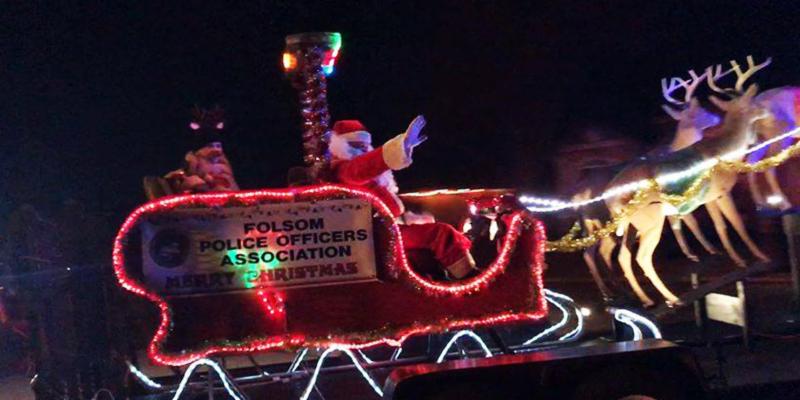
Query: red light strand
(274, 302)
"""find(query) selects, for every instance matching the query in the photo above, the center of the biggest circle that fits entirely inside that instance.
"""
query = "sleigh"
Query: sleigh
(318, 266)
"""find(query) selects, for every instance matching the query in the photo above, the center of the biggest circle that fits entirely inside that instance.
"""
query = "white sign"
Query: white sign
(266, 246)
(724, 308)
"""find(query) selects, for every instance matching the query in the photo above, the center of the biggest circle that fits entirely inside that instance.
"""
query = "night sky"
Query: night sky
(93, 97)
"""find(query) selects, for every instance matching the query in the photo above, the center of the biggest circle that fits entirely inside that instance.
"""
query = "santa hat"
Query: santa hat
(345, 131)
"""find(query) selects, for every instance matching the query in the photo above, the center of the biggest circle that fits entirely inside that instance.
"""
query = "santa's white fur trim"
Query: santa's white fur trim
(394, 153)
(339, 147)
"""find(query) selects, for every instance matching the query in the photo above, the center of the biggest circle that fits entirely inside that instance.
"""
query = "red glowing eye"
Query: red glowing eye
(194, 125)
(220, 125)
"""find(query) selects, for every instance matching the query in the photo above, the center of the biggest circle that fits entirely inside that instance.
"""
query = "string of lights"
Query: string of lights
(226, 383)
(364, 356)
(633, 320)
(144, 379)
(397, 352)
(313, 381)
(300, 355)
(458, 335)
(637, 332)
(520, 223)
(560, 324)
(576, 332)
(548, 205)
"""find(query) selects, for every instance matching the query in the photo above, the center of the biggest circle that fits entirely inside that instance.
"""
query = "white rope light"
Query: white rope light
(631, 319)
(397, 352)
(637, 333)
(364, 356)
(553, 328)
(142, 377)
(328, 351)
(579, 327)
(545, 205)
(212, 366)
(551, 297)
(298, 359)
(458, 335)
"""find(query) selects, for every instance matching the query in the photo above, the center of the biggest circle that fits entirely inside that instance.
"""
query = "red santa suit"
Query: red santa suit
(372, 169)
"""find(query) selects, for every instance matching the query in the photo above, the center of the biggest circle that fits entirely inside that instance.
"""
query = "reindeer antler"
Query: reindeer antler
(741, 77)
(688, 85)
(199, 114)
(204, 116)
(217, 113)
(716, 73)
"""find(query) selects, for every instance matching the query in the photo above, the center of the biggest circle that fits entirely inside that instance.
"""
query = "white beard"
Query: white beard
(387, 181)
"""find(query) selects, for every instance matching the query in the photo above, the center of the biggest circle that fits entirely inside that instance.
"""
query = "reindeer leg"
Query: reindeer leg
(650, 229)
(675, 224)
(607, 245)
(589, 256)
(772, 179)
(775, 188)
(755, 191)
(728, 209)
(624, 259)
(691, 222)
(722, 231)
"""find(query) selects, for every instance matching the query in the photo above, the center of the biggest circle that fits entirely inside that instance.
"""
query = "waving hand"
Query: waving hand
(413, 137)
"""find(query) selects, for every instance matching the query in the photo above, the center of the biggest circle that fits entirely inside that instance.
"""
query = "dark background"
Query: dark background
(95, 96)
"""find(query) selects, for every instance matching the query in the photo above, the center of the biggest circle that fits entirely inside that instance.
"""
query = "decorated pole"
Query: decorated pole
(308, 59)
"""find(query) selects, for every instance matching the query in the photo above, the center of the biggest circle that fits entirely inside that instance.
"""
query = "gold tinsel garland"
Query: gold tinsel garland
(570, 243)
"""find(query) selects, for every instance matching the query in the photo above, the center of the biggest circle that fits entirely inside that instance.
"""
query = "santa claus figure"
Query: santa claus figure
(205, 169)
(355, 162)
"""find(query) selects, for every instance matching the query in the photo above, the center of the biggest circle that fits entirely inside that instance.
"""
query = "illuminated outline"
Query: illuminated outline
(328, 351)
(471, 285)
(630, 318)
(458, 335)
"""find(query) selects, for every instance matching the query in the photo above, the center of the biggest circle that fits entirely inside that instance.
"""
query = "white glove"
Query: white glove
(413, 137)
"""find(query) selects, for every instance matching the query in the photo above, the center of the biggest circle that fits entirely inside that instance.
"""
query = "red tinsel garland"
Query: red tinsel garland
(516, 226)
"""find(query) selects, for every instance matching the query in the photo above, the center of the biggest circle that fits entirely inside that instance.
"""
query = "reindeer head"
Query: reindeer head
(743, 107)
(207, 119)
(743, 110)
(692, 118)
(693, 115)
(207, 126)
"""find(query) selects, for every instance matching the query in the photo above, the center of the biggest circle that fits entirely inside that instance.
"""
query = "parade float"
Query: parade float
(337, 286)
(339, 262)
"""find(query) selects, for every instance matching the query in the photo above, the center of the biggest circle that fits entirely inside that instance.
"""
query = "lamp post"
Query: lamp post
(308, 60)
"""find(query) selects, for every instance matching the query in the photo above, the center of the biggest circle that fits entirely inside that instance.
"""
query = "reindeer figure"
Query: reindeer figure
(648, 216)
(206, 168)
(692, 119)
(724, 209)
(783, 104)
